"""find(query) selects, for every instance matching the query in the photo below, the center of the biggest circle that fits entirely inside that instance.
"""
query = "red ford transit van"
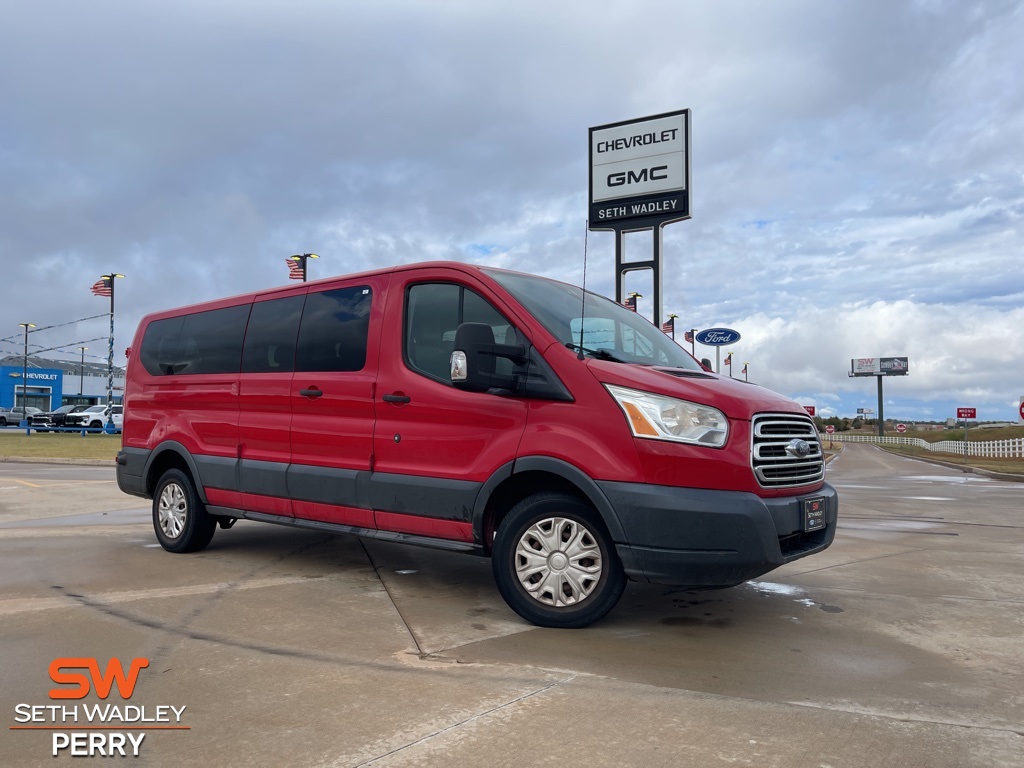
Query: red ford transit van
(477, 410)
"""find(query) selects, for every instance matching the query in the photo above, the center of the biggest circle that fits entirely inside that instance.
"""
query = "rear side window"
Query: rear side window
(160, 345)
(433, 312)
(334, 330)
(205, 342)
(271, 336)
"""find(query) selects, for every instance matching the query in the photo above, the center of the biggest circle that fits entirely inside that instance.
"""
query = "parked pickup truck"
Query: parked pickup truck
(44, 422)
(15, 415)
(95, 416)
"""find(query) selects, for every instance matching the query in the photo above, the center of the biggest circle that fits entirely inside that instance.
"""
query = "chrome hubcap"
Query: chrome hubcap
(558, 562)
(171, 510)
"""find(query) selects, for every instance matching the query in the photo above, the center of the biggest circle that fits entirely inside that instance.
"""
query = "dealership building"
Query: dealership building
(50, 384)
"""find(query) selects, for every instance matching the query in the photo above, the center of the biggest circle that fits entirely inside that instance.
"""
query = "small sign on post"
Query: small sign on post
(901, 428)
(966, 414)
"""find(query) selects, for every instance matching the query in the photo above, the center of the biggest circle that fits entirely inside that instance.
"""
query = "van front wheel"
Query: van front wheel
(180, 519)
(554, 563)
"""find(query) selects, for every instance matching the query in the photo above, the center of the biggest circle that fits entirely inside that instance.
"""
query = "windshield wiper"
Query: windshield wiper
(600, 354)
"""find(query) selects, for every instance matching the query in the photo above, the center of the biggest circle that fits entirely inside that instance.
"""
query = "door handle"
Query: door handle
(313, 393)
(397, 398)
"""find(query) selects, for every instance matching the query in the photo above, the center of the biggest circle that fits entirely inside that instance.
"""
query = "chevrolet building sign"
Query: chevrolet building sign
(640, 170)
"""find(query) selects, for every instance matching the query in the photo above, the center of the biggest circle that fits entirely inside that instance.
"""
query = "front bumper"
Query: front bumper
(700, 538)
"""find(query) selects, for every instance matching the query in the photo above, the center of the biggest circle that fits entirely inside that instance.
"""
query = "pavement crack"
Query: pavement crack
(467, 720)
(858, 562)
(408, 627)
(909, 718)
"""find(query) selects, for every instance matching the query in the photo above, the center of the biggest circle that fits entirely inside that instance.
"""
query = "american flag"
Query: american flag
(728, 360)
(630, 303)
(688, 337)
(669, 327)
(296, 269)
(102, 287)
(744, 367)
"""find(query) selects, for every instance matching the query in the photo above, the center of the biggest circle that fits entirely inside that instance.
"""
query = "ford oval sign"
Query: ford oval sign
(717, 337)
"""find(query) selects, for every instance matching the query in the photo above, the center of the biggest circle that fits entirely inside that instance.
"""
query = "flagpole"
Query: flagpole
(110, 361)
(111, 279)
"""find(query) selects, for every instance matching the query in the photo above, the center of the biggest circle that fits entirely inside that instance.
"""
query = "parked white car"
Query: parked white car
(95, 417)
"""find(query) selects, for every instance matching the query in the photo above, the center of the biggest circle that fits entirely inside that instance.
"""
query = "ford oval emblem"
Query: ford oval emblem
(798, 448)
(717, 337)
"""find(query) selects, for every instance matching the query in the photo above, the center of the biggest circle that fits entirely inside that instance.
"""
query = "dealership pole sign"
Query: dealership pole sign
(718, 338)
(640, 172)
(639, 180)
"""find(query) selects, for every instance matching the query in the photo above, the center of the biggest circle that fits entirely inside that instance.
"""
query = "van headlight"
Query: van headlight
(665, 418)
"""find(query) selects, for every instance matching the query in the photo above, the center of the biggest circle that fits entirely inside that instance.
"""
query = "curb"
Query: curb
(79, 462)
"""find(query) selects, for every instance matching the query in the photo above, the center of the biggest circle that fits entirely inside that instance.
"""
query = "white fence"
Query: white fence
(996, 449)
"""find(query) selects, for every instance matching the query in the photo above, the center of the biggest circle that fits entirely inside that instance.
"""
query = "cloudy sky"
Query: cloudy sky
(857, 167)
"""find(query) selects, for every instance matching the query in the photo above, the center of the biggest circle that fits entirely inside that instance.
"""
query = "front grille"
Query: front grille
(774, 466)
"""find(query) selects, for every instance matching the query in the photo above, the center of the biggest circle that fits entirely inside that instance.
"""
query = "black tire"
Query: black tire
(180, 519)
(95, 424)
(577, 576)
(3, 422)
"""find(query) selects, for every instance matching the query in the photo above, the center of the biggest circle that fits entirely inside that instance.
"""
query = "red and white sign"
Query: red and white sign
(1022, 409)
(901, 428)
(810, 409)
(967, 413)
(829, 429)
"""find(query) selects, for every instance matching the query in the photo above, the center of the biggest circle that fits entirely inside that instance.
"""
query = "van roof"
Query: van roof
(243, 298)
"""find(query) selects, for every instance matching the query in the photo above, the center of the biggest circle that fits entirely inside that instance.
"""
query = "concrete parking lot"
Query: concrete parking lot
(899, 646)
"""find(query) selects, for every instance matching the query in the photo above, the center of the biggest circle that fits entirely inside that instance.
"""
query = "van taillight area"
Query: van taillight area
(574, 443)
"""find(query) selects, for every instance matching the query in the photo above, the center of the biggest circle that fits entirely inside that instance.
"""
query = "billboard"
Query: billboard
(879, 366)
(640, 170)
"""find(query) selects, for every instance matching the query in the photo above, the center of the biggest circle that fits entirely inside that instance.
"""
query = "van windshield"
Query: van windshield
(609, 330)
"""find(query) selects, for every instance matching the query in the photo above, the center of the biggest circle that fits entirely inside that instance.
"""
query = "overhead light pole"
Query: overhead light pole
(297, 265)
(24, 377)
(81, 372)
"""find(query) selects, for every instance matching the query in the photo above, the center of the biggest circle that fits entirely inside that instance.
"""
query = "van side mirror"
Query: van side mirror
(472, 361)
(706, 362)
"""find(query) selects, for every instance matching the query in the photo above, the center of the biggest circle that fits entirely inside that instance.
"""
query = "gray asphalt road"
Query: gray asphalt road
(899, 646)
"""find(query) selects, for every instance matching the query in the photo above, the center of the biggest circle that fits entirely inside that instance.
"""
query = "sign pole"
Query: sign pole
(881, 412)
(965, 442)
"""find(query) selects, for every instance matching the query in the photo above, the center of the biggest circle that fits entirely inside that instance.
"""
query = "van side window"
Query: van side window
(334, 330)
(433, 311)
(211, 342)
(159, 350)
(271, 335)
(204, 342)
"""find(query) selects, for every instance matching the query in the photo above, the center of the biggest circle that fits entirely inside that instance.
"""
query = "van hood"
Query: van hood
(735, 398)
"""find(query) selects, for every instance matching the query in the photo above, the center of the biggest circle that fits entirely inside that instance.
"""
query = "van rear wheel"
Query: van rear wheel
(180, 519)
(555, 564)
